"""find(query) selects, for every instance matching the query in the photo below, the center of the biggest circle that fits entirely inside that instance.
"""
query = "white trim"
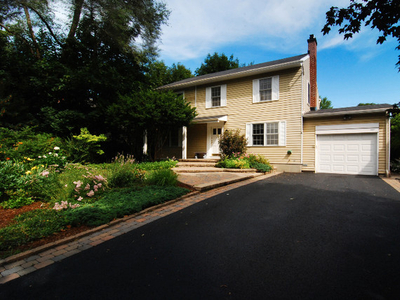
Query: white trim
(184, 142)
(347, 128)
(145, 142)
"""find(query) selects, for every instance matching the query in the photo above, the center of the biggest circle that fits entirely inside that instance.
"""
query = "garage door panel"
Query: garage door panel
(347, 154)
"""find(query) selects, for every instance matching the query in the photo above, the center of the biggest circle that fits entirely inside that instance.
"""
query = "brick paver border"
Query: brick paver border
(24, 263)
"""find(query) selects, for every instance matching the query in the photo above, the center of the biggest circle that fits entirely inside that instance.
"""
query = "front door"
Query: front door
(215, 134)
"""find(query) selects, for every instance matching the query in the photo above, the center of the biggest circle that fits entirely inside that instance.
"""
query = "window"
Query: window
(266, 133)
(272, 133)
(216, 96)
(258, 134)
(266, 89)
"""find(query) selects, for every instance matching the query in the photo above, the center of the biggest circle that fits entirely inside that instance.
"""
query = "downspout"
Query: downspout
(301, 114)
(388, 147)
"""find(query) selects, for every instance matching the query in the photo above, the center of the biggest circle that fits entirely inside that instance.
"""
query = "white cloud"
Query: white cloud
(198, 27)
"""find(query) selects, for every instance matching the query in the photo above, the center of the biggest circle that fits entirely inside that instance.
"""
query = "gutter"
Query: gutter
(346, 112)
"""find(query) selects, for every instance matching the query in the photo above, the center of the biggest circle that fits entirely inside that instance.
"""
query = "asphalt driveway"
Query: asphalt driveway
(293, 236)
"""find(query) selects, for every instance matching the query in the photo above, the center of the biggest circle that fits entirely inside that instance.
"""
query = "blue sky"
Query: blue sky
(349, 72)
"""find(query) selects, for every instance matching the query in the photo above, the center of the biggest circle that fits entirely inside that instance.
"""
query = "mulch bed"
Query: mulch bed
(6, 218)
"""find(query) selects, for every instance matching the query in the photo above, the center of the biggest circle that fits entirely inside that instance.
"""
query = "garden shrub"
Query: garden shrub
(163, 177)
(245, 161)
(17, 145)
(85, 147)
(232, 141)
(158, 165)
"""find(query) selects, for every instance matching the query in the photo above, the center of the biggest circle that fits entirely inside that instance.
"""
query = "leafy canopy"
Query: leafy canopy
(383, 15)
(325, 103)
(216, 63)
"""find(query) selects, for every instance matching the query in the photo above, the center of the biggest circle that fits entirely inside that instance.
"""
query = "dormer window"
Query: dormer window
(216, 96)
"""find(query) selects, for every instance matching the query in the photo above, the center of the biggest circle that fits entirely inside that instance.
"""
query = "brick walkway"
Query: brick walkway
(19, 265)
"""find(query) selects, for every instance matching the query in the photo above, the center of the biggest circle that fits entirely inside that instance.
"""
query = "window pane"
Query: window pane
(258, 134)
(265, 89)
(216, 96)
(272, 133)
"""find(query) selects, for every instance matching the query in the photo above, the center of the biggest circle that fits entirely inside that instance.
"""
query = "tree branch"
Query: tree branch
(29, 23)
(75, 19)
(20, 36)
(47, 25)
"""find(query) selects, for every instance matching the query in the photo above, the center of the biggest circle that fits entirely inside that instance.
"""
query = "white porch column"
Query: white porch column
(145, 142)
(184, 142)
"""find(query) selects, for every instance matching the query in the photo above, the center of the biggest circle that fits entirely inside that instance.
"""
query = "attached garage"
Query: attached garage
(352, 141)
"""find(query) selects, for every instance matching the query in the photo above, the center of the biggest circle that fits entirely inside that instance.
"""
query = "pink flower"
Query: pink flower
(45, 173)
(80, 198)
(90, 194)
(87, 187)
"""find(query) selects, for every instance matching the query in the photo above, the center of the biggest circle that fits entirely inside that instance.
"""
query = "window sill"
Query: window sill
(215, 107)
(265, 101)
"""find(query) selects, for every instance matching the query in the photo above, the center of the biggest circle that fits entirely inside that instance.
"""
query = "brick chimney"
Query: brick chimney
(312, 51)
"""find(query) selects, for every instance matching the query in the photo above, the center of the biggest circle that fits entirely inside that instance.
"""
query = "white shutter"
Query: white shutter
(223, 95)
(249, 135)
(256, 90)
(275, 87)
(208, 97)
(282, 133)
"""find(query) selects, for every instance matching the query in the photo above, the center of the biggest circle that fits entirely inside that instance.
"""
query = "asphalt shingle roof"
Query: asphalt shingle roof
(233, 73)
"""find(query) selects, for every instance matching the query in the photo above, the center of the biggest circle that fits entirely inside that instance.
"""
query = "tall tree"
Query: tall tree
(325, 103)
(79, 71)
(383, 15)
(216, 63)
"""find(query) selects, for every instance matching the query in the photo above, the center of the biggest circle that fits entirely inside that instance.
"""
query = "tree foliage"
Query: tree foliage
(383, 15)
(325, 103)
(151, 113)
(88, 71)
(216, 63)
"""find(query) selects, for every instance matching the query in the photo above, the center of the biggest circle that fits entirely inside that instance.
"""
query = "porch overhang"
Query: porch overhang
(212, 119)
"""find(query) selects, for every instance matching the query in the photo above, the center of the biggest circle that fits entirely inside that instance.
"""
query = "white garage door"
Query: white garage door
(347, 154)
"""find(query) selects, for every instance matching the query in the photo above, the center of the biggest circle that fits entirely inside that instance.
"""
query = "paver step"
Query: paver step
(196, 164)
(200, 160)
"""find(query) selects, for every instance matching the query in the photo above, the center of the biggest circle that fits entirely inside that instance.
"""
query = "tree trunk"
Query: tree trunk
(75, 19)
(29, 22)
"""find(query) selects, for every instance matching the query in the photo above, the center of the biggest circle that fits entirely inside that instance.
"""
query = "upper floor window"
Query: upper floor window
(266, 89)
(216, 96)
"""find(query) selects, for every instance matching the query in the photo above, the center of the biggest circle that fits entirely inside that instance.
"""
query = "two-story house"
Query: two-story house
(276, 104)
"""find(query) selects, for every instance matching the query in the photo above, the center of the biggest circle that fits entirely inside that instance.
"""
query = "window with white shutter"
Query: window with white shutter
(266, 89)
(266, 133)
(216, 96)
